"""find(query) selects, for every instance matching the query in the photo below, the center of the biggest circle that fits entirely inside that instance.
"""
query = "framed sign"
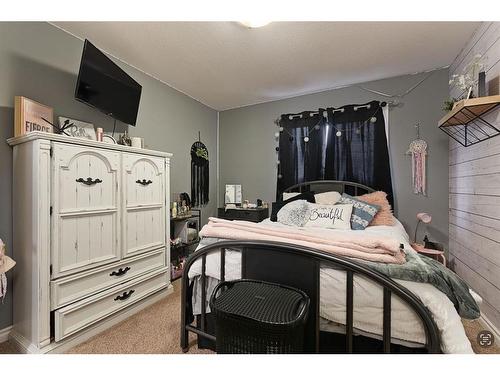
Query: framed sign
(77, 128)
(29, 116)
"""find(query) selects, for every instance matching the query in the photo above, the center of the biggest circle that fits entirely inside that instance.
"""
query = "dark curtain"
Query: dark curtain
(360, 154)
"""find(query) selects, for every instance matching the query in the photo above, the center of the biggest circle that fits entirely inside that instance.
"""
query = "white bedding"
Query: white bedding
(406, 326)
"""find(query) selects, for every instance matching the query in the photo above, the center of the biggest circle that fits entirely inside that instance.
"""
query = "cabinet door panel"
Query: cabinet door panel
(144, 201)
(98, 192)
(144, 230)
(85, 220)
(144, 180)
(85, 241)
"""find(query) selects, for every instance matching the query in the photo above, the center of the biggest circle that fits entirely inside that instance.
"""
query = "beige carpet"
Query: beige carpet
(156, 330)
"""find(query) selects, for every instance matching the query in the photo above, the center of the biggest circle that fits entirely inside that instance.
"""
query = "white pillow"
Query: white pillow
(336, 216)
(330, 197)
(289, 195)
(295, 213)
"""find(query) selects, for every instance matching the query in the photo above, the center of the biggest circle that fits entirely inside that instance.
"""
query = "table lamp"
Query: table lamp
(424, 218)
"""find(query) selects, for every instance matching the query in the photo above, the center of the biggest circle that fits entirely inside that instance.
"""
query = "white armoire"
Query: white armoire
(91, 237)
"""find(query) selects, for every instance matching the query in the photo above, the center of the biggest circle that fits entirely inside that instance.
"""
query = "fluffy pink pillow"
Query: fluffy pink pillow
(384, 216)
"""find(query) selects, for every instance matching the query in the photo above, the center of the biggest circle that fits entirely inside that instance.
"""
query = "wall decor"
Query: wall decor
(31, 116)
(77, 128)
(199, 173)
(418, 151)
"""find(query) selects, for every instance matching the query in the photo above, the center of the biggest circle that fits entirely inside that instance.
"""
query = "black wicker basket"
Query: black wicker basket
(259, 317)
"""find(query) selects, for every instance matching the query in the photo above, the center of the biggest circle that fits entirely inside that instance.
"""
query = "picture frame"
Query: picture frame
(78, 128)
(30, 115)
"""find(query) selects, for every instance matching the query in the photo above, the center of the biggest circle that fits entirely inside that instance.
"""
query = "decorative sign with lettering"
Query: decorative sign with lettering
(31, 116)
(336, 216)
(77, 128)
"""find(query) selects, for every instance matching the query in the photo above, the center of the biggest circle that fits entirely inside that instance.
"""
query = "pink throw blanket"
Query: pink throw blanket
(346, 243)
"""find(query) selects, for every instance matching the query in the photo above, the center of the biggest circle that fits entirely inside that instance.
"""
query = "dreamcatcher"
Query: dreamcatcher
(199, 173)
(418, 151)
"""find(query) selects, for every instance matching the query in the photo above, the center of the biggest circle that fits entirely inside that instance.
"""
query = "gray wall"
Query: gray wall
(41, 62)
(247, 144)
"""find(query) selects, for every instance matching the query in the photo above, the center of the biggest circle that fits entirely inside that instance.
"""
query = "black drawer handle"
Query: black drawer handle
(120, 272)
(144, 182)
(89, 181)
(125, 295)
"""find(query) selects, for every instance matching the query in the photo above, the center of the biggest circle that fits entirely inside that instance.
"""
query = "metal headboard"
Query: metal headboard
(321, 186)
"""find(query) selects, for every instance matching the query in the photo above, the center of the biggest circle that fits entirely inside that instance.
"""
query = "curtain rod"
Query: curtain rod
(382, 104)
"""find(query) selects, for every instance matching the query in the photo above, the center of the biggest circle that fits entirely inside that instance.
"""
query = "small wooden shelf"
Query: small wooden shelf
(465, 122)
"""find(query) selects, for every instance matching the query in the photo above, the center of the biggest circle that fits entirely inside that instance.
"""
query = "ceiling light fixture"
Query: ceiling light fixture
(255, 23)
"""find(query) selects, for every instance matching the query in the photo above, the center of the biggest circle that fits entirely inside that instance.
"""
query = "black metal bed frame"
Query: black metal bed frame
(284, 262)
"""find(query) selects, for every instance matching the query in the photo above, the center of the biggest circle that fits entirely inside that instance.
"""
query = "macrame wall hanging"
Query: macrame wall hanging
(418, 151)
(199, 173)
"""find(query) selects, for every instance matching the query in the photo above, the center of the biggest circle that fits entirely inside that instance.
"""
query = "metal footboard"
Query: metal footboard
(256, 250)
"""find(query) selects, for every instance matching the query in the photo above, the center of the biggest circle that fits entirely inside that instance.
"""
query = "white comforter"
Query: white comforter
(406, 326)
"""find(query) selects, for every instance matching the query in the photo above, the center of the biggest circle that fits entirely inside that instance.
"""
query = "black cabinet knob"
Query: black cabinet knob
(89, 181)
(143, 182)
(125, 295)
(120, 272)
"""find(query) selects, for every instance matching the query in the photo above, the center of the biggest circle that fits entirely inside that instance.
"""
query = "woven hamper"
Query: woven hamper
(259, 317)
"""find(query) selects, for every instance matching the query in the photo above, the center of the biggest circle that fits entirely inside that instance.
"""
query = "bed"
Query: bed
(354, 308)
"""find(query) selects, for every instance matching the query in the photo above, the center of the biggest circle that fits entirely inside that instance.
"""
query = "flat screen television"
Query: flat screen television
(104, 85)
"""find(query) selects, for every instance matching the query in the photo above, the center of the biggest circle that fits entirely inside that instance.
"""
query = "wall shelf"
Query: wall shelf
(466, 124)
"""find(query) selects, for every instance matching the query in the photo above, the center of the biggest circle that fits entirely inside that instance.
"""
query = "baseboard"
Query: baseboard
(24, 346)
(490, 326)
(4, 333)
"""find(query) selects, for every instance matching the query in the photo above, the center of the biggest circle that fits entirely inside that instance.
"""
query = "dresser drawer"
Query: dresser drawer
(80, 315)
(73, 288)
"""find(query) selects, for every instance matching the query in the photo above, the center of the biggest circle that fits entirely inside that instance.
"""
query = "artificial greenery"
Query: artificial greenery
(448, 104)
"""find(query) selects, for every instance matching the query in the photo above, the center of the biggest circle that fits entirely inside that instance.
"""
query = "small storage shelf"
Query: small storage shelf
(466, 124)
(180, 252)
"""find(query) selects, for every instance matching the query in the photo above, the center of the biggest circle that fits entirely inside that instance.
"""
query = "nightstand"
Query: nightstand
(432, 253)
(255, 215)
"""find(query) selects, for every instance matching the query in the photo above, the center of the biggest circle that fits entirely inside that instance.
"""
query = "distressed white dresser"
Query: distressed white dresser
(91, 230)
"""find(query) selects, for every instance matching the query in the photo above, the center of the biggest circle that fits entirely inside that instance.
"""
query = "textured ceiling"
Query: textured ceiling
(225, 65)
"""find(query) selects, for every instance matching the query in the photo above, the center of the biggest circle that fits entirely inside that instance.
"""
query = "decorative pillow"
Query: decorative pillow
(287, 196)
(330, 197)
(295, 213)
(384, 216)
(362, 212)
(276, 206)
(337, 216)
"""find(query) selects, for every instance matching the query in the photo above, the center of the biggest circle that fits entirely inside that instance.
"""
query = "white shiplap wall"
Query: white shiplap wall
(475, 187)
